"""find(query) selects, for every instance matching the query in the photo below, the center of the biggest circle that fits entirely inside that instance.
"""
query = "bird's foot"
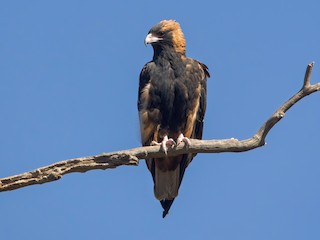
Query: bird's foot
(184, 139)
(164, 144)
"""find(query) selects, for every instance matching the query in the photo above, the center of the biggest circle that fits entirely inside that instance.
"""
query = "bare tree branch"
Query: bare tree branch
(131, 157)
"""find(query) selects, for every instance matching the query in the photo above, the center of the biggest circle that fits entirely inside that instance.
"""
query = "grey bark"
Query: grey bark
(131, 157)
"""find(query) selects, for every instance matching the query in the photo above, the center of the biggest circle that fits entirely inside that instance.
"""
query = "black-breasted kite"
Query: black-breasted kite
(171, 104)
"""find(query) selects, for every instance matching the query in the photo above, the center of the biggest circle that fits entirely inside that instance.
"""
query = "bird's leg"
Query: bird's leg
(165, 143)
(184, 139)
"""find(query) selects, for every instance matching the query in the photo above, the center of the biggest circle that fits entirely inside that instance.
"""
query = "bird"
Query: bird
(171, 105)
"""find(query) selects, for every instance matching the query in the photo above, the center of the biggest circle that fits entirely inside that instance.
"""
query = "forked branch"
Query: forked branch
(131, 157)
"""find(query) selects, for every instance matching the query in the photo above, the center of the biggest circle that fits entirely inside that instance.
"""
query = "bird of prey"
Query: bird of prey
(171, 104)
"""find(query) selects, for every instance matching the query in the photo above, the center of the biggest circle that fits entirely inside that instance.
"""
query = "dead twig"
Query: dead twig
(131, 157)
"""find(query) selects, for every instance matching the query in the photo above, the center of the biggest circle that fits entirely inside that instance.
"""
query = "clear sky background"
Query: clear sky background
(68, 79)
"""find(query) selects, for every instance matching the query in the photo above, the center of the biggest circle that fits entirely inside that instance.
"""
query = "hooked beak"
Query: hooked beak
(151, 39)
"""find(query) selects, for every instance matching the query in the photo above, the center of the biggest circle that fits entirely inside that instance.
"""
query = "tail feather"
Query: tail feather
(166, 204)
(167, 180)
(166, 183)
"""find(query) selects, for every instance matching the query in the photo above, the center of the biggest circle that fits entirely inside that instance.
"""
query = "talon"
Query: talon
(166, 142)
(154, 143)
(184, 139)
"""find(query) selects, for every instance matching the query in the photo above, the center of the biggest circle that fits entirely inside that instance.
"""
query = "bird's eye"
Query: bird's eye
(161, 33)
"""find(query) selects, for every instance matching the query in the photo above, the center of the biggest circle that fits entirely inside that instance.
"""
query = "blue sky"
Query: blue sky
(69, 77)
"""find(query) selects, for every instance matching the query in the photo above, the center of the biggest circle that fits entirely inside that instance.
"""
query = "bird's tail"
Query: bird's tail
(167, 175)
(166, 187)
(166, 183)
(166, 204)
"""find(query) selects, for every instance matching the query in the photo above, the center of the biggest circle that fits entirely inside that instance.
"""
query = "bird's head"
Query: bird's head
(167, 34)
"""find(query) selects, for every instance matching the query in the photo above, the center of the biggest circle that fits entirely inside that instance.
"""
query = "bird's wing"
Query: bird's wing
(202, 102)
(149, 120)
(199, 73)
(195, 80)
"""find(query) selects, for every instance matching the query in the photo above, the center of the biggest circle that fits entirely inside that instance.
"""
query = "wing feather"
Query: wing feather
(196, 121)
(148, 118)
